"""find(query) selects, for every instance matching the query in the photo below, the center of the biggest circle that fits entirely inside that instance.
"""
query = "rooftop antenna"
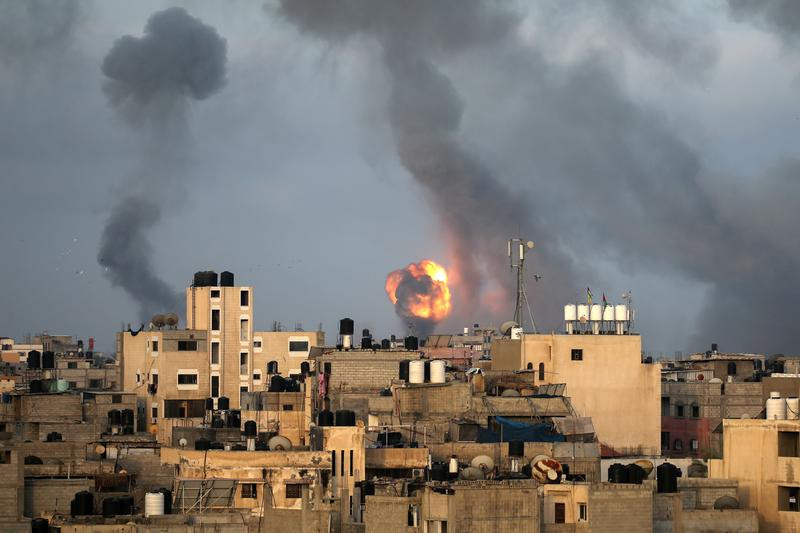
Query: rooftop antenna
(628, 297)
(516, 256)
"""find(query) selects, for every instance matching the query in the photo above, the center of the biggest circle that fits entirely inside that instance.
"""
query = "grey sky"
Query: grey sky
(656, 148)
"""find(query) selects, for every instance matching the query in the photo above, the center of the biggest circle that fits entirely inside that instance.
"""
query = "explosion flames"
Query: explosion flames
(420, 295)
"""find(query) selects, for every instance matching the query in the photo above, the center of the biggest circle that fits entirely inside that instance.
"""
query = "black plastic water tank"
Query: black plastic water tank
(636, 473)
(404, 370)
(366, 343)
(125, 505)
(40, 525)
(233, 419)
(305, 368)
(226, 279)
(345, 417)
(48, 360)
(386, 344)
(617, 473)
(205, 278)
(167, 500)
(250, 428)
(73, 508)
(346, 326)
(217, 421)
(411, 343)
(85, 502)
(35, 386)
(439, 472)
(516, 448)
(277, 384)
(325, 418)
(34, 359)
(209, 404)
(202, 444)
(127, 417)
(667, 475)
(223, 403)
(110, 507)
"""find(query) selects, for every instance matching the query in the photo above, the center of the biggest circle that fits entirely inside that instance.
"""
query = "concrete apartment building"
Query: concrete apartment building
(219, 354)
(605, 378)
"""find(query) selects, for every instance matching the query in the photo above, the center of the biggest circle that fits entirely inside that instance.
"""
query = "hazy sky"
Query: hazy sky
(644, 146)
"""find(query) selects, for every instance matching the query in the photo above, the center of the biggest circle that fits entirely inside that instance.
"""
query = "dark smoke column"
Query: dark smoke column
(149, 82)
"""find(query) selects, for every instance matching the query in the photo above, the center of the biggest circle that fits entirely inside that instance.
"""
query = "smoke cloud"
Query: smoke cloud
(596, 172)
(779, 16)
(477, 211)
(150, 81)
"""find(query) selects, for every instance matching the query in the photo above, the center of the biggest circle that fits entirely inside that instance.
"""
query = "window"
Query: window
(788, 443)
(256, 344)
(695, 411)
(154, 378)
(341, 462)
(214, 353)
(72, 384)
(5, 457)
(95, 383)
(257, 375)
(249, 490)
(116, 398)
(530, 366)
(678, 410)
(351, 463)
(72, 364)
(678, 445)
(154, 412)
(187, 379)
(731, 368)
(288, 407)
(541, 371)
(787, 498)
(293, 490)
(333, 462)
(560, 513)
(577, 354)
(187, 346)
(583, 512)
(244, 329)
(215, 320)
(215, 386)
(184, 408)
(665, 440)
(693, 444)
(243, 364)
(665, 406)
(298, 346)
(215, 293)
(244, 298)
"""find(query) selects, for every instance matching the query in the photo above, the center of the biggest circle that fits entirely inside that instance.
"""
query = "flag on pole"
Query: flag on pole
(605, 302)
(588, 296)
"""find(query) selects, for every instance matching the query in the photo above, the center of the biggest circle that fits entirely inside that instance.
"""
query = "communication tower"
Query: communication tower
(516, 256)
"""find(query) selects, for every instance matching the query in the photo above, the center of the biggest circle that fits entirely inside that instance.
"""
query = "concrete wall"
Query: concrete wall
(620, 508)
(387, 514)
(52, 495)
(494, 509)
(610, 383)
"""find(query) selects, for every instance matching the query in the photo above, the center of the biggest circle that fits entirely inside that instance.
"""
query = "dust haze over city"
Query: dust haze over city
(313, 148)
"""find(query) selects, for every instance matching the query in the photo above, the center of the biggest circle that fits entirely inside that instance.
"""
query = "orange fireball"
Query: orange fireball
(422, 290)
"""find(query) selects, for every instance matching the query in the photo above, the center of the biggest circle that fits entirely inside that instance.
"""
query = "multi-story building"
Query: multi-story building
(219, 354)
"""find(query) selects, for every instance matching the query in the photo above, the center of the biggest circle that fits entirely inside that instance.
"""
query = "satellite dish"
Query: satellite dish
(279, 443)
(483, 462)
(171, 319)
(99, 449)
(183, 442)
(529, 244)
(157, 320)
(472, 474)
(505, 327)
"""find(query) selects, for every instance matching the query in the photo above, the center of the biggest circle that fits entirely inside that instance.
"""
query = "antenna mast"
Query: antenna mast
(516, 256)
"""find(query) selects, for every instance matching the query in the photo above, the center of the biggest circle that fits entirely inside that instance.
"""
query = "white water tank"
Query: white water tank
(437, 371)
(583, 312)
(154, 504)
(608, 313)
(776, 407)
(570, 313)
(416, 371)
(453, 466)
(620, 313)
(596, 313)
(792, 408)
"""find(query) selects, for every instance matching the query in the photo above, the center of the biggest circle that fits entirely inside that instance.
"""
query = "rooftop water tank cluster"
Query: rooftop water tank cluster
(782, 408)
(420, 371)
(597, 319)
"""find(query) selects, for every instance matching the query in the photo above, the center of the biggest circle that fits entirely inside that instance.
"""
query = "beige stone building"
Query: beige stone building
(219, 354)
(606, 379)
(764, 457)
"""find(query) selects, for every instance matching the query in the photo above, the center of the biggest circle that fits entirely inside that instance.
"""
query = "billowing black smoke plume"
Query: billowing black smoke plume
(150, 82)
(610, 178)
(477, 211)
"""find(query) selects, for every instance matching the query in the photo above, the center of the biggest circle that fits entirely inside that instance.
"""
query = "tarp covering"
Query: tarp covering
(508, 430)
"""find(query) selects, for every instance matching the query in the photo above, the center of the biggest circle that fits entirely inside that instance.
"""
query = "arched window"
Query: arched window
(530, 366)
(541, 371)
(731, 368)
(33, 460)
(272, 367)
(679, 411)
